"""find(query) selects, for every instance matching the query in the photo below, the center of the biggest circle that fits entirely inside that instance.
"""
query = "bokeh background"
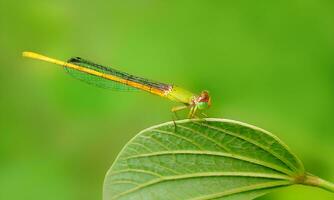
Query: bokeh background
(268, 63)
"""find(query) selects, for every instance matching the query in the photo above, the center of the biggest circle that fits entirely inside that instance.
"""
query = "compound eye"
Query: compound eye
(202, 105)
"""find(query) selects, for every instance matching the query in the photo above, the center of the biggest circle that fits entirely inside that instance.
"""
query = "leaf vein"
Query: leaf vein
(206, 137)
(286, 162)
(244, 189)
(179, 136)
(198, 175)
(213, 153)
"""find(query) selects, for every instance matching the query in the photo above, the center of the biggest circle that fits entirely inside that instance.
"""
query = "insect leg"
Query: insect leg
(174, 110)
(192, 112)
(178, 108)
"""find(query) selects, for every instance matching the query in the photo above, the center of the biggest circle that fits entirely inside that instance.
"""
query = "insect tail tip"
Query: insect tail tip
(26, 53)
(29, 54)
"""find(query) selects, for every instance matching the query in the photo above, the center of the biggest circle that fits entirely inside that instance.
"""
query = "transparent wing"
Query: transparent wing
(95, 80)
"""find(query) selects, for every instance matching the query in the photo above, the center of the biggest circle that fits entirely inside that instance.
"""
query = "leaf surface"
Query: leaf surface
(201, 159)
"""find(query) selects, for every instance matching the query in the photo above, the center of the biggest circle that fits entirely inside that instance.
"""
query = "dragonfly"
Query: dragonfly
(110, 78)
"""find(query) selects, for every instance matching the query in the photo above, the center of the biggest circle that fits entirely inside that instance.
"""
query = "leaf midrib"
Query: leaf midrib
(212, 153)
(286, 179)
(244, 189)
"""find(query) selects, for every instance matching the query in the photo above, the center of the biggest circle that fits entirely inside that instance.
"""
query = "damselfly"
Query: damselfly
(107, 77)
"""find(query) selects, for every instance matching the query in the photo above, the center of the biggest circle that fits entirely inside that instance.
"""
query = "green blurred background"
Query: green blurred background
(268, 63)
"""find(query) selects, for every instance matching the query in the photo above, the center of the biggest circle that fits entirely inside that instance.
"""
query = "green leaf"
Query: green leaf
(203, 159)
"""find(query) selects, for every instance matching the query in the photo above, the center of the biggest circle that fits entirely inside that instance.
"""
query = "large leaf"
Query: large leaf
(202, 159)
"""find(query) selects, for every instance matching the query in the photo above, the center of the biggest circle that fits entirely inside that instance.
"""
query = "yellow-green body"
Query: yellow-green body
(181, 95)
(91, 72)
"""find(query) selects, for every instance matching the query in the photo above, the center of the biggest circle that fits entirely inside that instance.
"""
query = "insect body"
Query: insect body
(108, 77)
